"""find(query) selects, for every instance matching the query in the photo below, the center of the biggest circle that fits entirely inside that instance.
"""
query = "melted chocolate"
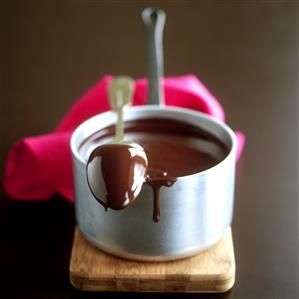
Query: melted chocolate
(115, 174)
(156, 179)
(173, 149)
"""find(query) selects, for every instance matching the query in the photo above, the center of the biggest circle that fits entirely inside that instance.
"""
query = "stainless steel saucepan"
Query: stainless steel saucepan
(195, 212)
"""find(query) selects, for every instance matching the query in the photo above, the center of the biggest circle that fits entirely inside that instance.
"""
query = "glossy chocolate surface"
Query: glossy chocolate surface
(173, 149)
(115, 174)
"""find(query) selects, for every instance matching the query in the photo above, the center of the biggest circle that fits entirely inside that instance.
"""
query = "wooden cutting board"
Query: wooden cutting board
(210, 271)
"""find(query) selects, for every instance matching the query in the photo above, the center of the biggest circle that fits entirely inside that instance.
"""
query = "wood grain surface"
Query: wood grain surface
(210, 271)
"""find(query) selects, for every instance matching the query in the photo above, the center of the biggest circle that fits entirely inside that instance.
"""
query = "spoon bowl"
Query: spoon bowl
(115, 173)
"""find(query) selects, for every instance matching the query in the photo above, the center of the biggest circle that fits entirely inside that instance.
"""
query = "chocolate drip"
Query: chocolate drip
(156, 179)
(156, 210)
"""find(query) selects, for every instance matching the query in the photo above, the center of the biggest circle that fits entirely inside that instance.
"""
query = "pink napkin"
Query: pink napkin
(39, 167)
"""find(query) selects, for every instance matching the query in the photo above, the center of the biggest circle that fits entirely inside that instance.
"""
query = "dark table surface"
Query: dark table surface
(245, 52)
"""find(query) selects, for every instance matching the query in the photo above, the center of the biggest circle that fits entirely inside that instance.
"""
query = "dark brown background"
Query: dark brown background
(245, 52)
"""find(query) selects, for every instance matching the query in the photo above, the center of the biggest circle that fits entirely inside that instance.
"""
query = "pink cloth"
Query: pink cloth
(39, 167)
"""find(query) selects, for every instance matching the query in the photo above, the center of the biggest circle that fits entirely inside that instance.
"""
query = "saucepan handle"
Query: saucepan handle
(154, 20)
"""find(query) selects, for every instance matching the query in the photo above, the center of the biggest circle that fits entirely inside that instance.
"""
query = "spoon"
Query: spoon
(116, 170)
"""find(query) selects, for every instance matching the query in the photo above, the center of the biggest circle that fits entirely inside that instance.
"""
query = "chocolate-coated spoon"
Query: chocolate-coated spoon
(116, 170)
